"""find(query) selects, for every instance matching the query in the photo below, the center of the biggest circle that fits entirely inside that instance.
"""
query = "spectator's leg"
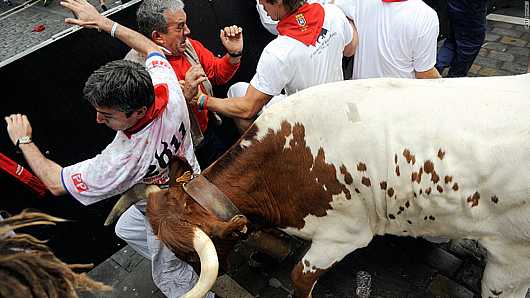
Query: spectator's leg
(468, 19)
(446, 53)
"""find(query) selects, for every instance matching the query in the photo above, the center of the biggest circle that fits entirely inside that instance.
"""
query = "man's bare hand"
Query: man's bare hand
(190, 85)
(18, 126)
(87, 15)
(232, 38)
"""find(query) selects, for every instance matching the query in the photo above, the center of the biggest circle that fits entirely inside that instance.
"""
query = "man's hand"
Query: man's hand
(232, 38)
(87, 15)
(190, 85)
(18, 126)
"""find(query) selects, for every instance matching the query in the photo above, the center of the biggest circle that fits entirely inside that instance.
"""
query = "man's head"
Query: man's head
(164, 22)
(120, 91)
(277, 9)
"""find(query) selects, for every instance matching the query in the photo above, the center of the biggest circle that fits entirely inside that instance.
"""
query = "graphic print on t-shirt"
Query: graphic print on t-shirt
(162, 159)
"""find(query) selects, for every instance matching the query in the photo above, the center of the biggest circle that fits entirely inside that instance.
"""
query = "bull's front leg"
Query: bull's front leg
(303, 282)
(321, 256)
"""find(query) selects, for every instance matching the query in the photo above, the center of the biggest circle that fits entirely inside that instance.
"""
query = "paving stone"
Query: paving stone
(487, 72)
(507, 32)
(516, 42)
(443, 287)
(465, 248)
(518, 51)
(501, 56)
(483, 52)
(492, 37)
(225, 286)
(474, 69)
(108, 272)
(443, 261)
(127, 258)
(503, 25)
(514, 67)
(470, 275)
(521, 59)
(493, 45)
(487, 62)
(137, 284)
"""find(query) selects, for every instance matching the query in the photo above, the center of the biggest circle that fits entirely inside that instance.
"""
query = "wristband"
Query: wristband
(236, 54)
(113, 29)
(201, 101)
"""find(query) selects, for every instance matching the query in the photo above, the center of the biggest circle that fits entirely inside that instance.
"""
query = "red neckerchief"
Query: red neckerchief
(304, 24)
(158, 106)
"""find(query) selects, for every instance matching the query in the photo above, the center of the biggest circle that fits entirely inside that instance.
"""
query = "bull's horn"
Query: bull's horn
(209, 264)
(130, 197)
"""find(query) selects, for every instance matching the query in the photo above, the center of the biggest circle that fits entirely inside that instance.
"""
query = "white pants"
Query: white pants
(171, 275)
(240, 88)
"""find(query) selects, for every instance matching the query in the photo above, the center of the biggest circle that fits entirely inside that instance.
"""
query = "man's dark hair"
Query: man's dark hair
(121, 85)
(150, 15)
(292, 5)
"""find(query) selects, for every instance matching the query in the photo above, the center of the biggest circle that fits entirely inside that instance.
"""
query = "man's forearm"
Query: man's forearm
(234, 107)
(130, 37)
(48, 171)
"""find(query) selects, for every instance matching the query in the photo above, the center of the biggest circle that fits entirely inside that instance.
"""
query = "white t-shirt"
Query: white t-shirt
(144, 158)
(395, 38)
(269, 23)
(287, 63)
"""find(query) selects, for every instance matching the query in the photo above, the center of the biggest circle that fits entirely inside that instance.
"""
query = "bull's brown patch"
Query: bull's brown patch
(473, 199)
(455, 186)
(303, 282)
(401, 208)
(395, 158)
(421, 191)
(434, 177)
(390, 192)
(428, 190)
(432, 217)
(383, 185)
(361, 167)
(397, 171)
(440, 189)
(391, 216)
(407, 204)
(448, 179)
(495, 199)
(428, 166)
(366, 181)
(414, 176)
(407, 155)
(441, 154)
(347, 176)
(409, 222)
(357, 190)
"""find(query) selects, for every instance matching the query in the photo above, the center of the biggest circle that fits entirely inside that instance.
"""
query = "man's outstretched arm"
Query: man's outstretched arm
(89, 17)
(49, 172)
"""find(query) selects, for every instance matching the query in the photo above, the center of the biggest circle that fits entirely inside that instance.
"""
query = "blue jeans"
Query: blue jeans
(467, 19)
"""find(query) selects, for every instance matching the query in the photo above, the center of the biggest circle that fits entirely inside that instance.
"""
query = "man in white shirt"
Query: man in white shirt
(397, 38)
(152, 126)
(308, 51)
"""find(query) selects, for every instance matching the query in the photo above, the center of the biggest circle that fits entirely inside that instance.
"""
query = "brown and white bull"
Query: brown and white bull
(339, 163)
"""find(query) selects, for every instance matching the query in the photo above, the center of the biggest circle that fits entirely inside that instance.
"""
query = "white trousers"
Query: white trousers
(171, 275)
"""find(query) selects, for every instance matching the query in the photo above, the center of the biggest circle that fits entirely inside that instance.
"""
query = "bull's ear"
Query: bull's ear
(177, 168)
